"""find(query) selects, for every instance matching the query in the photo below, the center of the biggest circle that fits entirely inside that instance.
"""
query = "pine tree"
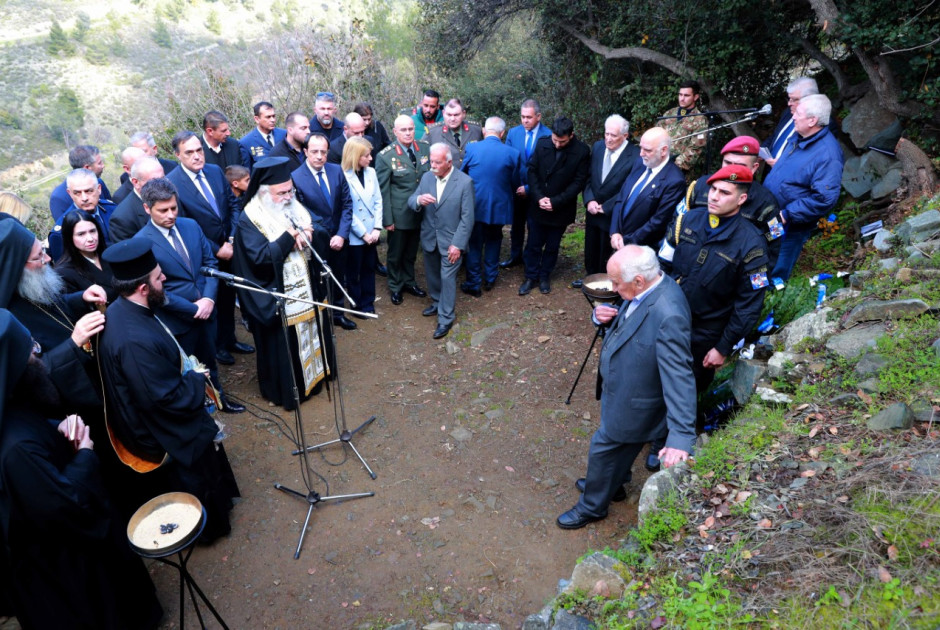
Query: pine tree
(59, 41)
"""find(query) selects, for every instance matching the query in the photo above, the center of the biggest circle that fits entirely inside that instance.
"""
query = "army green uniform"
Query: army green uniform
(467, 132)
(398, 179)
(686, 151)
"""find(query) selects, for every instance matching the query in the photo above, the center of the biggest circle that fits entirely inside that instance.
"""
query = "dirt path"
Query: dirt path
(461, 526)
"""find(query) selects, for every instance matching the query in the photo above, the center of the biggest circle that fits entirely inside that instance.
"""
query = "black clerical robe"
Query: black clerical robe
(153, 409)
(71, 565)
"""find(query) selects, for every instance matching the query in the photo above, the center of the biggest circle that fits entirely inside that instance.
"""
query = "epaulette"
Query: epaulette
(473, 122)
(757, 252)
(422, 141)
(433, 125)
(387, 149)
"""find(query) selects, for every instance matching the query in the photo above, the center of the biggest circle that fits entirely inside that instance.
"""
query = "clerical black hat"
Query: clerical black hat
(270, 170)
(131, 259)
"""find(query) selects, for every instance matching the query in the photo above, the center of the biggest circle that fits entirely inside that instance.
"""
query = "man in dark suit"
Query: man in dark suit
(128, 157)
(495, 170)
(85, 191)
(130, 216)
(456, 131)
(182, 249)
(399, 169)
(650, 193)
(205, 196)
(652, 329)
(259, 141)
(558, 171)
(145, 141)
(217, 145)
(612, 159)
(324, 119)
(292, 146)
(523, 138)
(353, 126)
(322, 189)
(775, 142)
(83, 156)
(445, 194)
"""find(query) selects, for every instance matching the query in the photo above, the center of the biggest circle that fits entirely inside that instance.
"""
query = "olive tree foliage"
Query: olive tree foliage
(286, 69)
(628, 53)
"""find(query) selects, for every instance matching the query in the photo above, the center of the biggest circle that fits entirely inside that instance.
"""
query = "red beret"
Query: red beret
(733, 173)
(742, 144)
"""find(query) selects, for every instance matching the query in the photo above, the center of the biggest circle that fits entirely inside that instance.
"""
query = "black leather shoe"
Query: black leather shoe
(358, 316)
(345, 323)
(526, 287)
(512, 262)
(488, 286)
(429, 311)
(619, 495)
(224, 357)
(573, 519)
(229, 406)
(545, 286)
(652, 463)
(471, 291)
(577, 284)
(416, 291)
(397, 298)
(441, 331)
(381, 269)
(242, 348)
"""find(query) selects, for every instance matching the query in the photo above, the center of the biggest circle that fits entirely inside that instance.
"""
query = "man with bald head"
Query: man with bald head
(128, 157)
(399, 168)
(129, 217)
(649, 195)
(445, 195)
(354, 126)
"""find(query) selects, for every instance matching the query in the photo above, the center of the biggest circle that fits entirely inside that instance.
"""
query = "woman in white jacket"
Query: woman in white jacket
(366, 222)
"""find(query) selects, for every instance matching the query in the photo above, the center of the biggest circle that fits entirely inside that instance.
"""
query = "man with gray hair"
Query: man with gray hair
(128, 157)
(796, 90)
(445, 194)
(652, 329)
(496, 171)
(84, 156)
(145, 141)
(807, 180)
(645, 204)
(612, 159)
(85, 191)
(130, 216)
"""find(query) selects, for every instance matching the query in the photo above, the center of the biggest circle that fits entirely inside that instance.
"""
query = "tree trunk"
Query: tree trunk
(917, 167)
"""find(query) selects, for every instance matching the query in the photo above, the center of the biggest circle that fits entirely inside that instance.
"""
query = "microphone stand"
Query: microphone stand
(750, 114)
(311, 497)
(339, 407)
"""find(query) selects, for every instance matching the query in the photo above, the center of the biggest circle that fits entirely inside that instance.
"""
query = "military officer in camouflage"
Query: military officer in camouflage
(682, 121)
(399, 168)
(456, 131)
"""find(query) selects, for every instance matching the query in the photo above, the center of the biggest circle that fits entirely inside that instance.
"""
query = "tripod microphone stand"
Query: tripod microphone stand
(339, 408)
(750, 114)
(311, 497)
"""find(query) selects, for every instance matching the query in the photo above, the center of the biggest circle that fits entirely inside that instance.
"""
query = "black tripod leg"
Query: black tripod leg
(583, 363)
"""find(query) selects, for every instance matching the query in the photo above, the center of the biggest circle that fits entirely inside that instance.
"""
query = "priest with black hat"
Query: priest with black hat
(272, 250)
(155, 394)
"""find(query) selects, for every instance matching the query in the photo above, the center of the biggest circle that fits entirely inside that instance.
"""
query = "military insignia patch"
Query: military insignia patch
(757, 252)
(774, 229)
(713, 221)
(759, 280)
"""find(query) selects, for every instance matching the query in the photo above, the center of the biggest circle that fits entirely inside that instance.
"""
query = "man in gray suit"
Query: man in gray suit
(651, 330)
(446, 196)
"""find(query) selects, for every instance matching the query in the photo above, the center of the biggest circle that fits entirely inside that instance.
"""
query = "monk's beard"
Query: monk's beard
(291, 209)
(41, 286)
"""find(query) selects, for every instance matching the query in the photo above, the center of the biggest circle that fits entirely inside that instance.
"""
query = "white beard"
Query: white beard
(42, 286)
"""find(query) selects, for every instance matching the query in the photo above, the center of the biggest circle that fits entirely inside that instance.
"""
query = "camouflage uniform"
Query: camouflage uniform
(686, 151)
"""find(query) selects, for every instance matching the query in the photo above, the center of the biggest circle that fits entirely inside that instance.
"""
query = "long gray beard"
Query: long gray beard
(292, 210)
(42, 286)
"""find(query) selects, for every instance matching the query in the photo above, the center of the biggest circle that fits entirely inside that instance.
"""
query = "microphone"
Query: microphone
(766, 110)
(221, 275)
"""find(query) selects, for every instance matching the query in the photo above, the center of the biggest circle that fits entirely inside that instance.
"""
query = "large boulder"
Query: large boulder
(815, 325)
(880, 310)
(896, 416)
(919, 228)
(855, 341)
(745, 377)
(866, 120)
(889, 184)
(597, 574)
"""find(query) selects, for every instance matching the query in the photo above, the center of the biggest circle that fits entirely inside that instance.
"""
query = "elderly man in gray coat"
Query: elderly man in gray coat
(645, 381)
(446, 196)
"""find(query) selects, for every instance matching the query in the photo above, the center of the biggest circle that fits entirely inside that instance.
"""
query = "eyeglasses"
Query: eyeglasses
(791, 100)
(286, 193)
(38, 260)
(325, 95)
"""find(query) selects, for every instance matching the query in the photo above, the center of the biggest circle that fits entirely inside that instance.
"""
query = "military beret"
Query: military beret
(733, 173)
(747, 145)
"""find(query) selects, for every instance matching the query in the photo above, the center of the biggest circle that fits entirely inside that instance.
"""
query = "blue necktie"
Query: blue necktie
(326, 191)
(781, 140)
(207, 193)
(528, 144)
(636, 191)
(178, 246)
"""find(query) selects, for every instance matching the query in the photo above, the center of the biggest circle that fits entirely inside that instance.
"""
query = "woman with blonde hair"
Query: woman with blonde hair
(14, 206)
(366, 222)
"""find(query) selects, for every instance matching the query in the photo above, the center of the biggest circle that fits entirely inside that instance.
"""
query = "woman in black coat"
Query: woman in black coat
(81, 264)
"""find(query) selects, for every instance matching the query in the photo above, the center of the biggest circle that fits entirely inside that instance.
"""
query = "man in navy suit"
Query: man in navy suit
(130, 215)
(612, 159)
(256, 143)
(650, 331)
(775, 142)
(322, 189)
(217, 144)
(648, 198)
(83, 156)
(182, 249)
(496, 173)
(85, 191)
(205, 196)
(523, 139)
